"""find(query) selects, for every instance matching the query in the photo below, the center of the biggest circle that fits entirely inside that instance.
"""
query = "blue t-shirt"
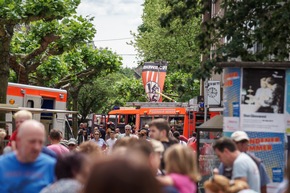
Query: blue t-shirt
(17, 177)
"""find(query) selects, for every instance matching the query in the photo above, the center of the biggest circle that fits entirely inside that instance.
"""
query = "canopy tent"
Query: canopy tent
(214, 123)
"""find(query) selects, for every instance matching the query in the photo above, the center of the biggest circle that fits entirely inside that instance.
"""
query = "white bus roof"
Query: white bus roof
(12, 108)
(36, 87)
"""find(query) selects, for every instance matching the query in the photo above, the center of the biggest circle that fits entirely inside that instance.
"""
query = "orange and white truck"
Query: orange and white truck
(185, 117)
(48, 105)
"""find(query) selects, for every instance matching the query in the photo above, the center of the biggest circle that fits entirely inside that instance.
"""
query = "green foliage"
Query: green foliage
(19, 11)
(107, 91)
(245, 25)
(175, 44)
(180, 86)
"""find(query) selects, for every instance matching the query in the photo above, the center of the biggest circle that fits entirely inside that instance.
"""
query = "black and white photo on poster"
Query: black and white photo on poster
(263, 90)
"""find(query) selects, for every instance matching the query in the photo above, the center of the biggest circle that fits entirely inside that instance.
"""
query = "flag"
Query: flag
(153, 76)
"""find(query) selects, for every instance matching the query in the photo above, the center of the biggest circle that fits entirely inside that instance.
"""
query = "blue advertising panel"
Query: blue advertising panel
(231, 96)
(269, 147)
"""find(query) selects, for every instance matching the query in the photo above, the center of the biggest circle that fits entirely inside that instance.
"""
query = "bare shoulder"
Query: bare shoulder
(165, 180)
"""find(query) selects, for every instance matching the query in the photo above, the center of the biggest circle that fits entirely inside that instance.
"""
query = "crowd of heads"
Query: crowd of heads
(133, 162)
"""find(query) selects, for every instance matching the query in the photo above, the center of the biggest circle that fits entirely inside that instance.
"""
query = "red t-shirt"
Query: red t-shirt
(13, 137)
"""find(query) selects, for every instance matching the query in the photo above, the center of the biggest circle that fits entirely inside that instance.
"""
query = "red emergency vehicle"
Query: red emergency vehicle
(184, 116)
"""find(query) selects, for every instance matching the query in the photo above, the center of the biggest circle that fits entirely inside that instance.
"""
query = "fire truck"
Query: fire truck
(185, 117)
(48, 105)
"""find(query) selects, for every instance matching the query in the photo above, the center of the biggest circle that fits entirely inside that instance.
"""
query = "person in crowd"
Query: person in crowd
(117, 133)
(173, 128)
(91, 149)
(64, 143)
(143, 152)
(102, 131)
(81, 134)
(99, 140)
(181, 169)
(27, 169)
(55, 138)
(7, 137)
(2, 137)
(284, 186)
(159, 129)
(71, 171)
(72, 144)
(192, 142)
(120, 147)
(128, 130)
(219, 183)
(242, 141)
(87, 130)
(243, 167)
(138, 177)
(108, 134)
(192, 139)
(19, 118)
(143, 134)
(183, 138)
(176, 134)
(111, 141)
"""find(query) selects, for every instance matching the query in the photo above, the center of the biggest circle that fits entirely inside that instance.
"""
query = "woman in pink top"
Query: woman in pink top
(181, 169)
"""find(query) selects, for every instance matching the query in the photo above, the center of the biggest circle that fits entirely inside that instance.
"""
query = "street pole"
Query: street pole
(205, 99)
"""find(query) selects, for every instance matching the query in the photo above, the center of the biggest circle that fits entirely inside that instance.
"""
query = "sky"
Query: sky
(114, 19)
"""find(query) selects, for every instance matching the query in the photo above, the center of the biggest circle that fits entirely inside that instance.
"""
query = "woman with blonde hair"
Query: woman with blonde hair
(181, 169)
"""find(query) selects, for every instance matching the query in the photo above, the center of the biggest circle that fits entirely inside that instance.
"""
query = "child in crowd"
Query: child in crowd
(181, 169)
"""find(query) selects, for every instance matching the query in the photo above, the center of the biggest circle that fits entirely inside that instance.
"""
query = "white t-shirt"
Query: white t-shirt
(111, 142)
(244, 166)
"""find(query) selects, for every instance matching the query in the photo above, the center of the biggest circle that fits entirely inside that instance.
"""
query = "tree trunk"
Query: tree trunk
(22, 76)
(74, 93)
(6, 33)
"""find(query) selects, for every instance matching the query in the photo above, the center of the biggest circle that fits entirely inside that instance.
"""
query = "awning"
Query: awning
(214, 123)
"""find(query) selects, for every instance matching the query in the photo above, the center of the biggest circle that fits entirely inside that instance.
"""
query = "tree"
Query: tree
(15, 14)
(174, 44)
(245, 25)
(83, 66)
(111, 90)
(34, 44)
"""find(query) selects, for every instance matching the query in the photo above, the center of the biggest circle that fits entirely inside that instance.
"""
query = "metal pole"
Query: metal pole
(205, 99)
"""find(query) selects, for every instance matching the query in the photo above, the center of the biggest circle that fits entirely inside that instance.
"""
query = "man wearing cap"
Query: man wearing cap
(72, 144)
(243, 167)
(242, 141)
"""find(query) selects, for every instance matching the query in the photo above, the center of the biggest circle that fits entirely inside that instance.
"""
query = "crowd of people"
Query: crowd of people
(155, 159)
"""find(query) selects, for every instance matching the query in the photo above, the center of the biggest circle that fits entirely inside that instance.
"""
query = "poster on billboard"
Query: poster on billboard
(262, 100)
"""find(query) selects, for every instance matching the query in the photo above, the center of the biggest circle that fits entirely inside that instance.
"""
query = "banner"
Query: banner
(153, 76)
